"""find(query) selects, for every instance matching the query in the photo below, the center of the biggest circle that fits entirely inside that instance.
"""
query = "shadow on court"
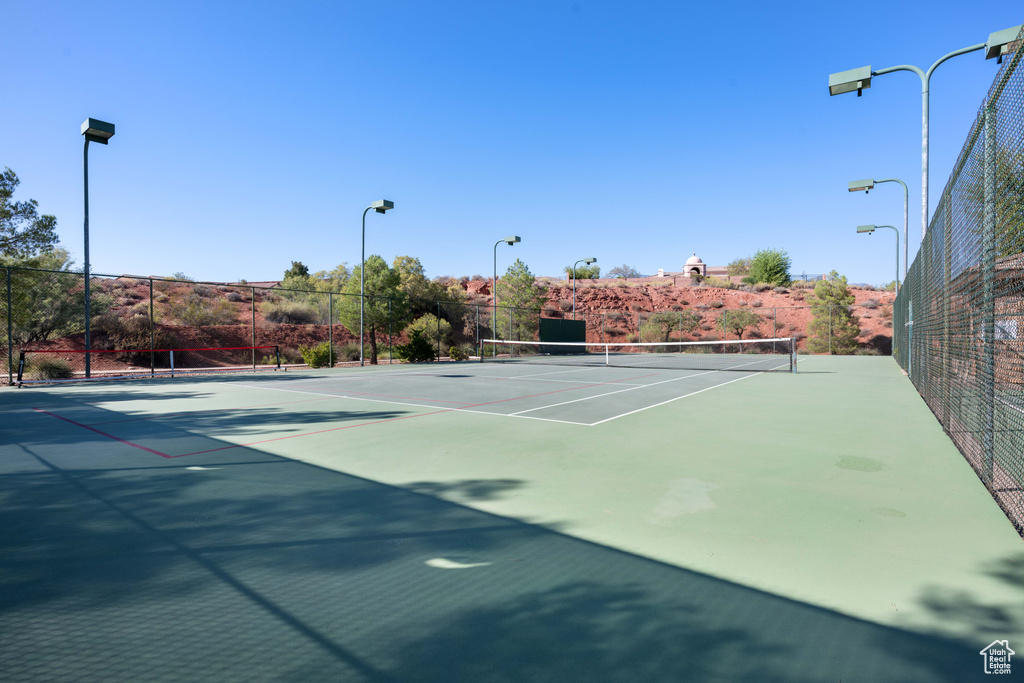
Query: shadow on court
(269, 569)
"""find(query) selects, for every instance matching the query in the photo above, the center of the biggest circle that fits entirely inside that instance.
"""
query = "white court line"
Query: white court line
(412, 405)
(638, 410)
(641, 386)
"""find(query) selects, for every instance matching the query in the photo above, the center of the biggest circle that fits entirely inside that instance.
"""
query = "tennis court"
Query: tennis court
(498, 521)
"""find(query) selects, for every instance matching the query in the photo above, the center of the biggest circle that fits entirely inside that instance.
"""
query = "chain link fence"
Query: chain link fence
(959, 318)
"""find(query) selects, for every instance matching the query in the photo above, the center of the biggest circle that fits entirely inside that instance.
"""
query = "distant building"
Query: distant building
(694, 266)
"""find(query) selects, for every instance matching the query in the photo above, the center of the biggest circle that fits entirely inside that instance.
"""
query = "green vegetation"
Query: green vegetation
(833, 329)
(196, 310)
(23, 232)
(44, 367)
(319, 356)
(737, 322)
(770, 266)
(660, 326)
(518, 290)
(624, 272)
(436, 330)
(584, 272)
(739, 267)
(386, 304)
(418, 350)
(289, 312)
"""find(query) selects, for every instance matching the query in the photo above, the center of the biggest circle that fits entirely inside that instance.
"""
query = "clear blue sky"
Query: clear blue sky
(251, 134)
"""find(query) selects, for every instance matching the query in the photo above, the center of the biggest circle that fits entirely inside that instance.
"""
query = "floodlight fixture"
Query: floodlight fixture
(998, 44)
(847, 81)
(862, 185)
(1002, 43)
(512, 239)
(870, 229)
(382, 205)
(95, 130)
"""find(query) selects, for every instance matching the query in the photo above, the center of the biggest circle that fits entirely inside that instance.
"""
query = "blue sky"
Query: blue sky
(251, 134)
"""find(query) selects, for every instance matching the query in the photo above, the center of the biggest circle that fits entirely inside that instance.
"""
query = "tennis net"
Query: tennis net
(37, 366)
(746, 355)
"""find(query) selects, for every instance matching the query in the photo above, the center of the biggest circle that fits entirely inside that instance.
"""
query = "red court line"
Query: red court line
(326, 397)
(109, 436)
(321, 431)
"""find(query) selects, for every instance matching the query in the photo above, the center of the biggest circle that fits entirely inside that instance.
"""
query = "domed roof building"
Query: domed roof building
(695, 266)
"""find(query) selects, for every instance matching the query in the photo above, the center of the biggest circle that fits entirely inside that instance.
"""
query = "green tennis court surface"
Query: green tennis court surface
(481, 522)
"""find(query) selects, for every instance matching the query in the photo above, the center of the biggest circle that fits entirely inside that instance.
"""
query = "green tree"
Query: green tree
(740, 266)
(46, 304)
(834, 328)
(297, 270)
(737, 322)
(664, 323)
(434, 329)
(421, 292)
(770, 266)
(23, 232)
(385, 307)
(518, 290)
(584, 272)
(624, 272)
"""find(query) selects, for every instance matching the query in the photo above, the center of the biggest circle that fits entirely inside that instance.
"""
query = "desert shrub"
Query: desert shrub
(756, 303)
(234, 296)
(565, 305)
(867, 351)
(614, 315)
(436, 331)
(712, 281)
(769, 266)
(635, 307)
(418, 350)
(161, 298)
(549, 309)
(349, 351)
(289, 312)
(613, 331)
(319, 356)
(455, 353)
(717, 303)
(886, 313)
(677, 307)
(870, 303)
(193, 310)
(780, 290)
(702, 306)
(744, 302)
(49, 368)
(141, 308)
(203, 291)
(798, 335)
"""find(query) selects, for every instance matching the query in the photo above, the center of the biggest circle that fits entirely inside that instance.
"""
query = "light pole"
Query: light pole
(870, 229)
(380, 206)
(588, 261)
(94, 130)
(494, 283)
(869, 184)
(997, 45)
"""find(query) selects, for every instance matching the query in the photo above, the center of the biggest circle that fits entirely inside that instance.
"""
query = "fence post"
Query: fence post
(438, 331)
(10, 333)
(988, 306)
(152, 333)
(830, 329)
(391, 355)
(479, 351)
(252, 301)
(775, 326)
(947, 266)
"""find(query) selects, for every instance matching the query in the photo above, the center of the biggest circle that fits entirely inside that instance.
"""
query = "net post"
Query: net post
(607, 359)
(792, 354)
(171, 352)
(438, 332)
(330, 329)
(252, 300)
(21, 365)
(277, 355)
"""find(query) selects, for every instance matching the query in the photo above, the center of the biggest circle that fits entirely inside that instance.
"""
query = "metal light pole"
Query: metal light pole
(380, 206)
(998, 44)
(869, 184)
(870, 229)
(588, 261)
(94, 130)
(494, 284)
